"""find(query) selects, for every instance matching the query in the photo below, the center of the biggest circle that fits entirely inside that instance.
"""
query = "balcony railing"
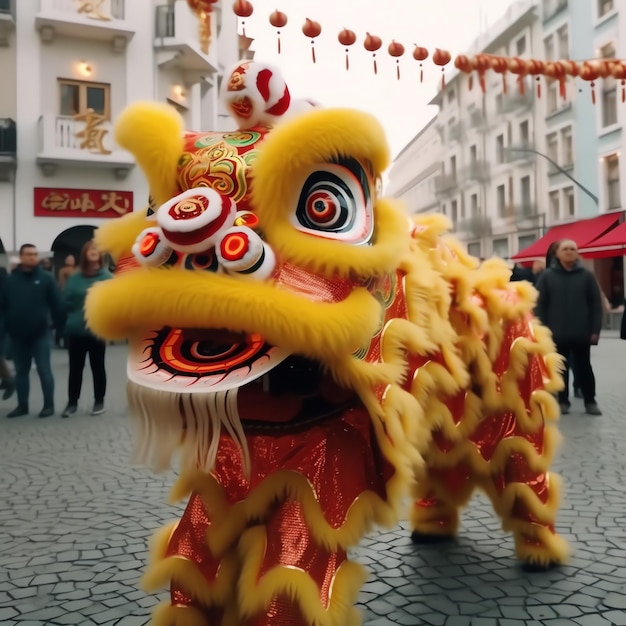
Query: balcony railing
(478, 226)
(105, 10)
(515, 101)
(445, 183)
(176, 38)
(6, 7)
(8, 137)
(479, 171)
(455, 132)
(478, 120)
(551, 8)
(521, 152)
(79, 142)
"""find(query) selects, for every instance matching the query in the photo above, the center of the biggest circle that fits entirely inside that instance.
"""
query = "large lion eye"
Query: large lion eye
(335, 202)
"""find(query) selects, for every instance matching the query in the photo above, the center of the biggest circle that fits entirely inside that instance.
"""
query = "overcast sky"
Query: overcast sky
(400, 105)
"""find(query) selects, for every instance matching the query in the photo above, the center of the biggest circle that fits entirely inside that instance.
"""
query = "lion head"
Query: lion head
(267, 281)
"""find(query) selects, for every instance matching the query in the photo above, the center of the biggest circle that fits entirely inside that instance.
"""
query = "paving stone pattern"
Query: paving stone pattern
(76, 516)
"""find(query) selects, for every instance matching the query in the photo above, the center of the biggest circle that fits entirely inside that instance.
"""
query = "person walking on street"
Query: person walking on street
(7, 385)
(79, 340)
(570, 305)
(69, 267)
(28, 302)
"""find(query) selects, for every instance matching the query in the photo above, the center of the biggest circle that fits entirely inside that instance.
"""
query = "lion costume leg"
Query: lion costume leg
(289, 579)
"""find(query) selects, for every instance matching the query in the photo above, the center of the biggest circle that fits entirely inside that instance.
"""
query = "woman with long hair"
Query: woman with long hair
(79, 340)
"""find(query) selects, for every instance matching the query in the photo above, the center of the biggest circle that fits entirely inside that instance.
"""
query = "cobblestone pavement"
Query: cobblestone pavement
(75, 518)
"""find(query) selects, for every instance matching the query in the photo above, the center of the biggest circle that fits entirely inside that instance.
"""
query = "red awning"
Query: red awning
(612, 243)
(583, 232)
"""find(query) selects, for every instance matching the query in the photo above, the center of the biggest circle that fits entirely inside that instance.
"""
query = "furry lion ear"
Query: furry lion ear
(153, 133)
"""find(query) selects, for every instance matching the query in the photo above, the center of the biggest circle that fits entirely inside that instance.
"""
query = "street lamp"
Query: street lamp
(560, 169)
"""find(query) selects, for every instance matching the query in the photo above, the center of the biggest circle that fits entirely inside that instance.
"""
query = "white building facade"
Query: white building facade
(412, 179)
(514, 165)
(68, 68)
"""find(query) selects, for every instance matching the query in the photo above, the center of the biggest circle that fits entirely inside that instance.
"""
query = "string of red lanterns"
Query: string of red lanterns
(590, 70)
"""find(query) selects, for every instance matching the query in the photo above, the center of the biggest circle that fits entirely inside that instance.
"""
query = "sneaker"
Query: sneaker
(591, 408)
(18, 412)
(578, 393)
(9, 388)
(98, 408)
(70, 410)
(47, 411)
(564, 406)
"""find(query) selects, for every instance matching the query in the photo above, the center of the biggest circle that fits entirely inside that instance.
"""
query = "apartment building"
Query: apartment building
(68, 68)
(417, 166)
(486, 180)
(513, 166)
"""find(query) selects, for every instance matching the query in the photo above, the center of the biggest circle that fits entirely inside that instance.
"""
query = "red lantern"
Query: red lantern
(203, 9)
(482, 62)
(243, 9)
(420, 54)
(499, 66)
(396, 50)
(518, 66)
(278, 20)
(442, 58)
(466, 64)
(346, 38)
(590, 71)
(312, 29)
(372, 43)
(536, 68)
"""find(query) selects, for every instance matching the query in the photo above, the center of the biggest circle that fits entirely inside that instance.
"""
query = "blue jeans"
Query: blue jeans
(23, 352)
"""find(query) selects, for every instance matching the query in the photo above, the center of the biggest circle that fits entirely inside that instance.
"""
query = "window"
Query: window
(569, 201)
(453, 167)
(454, 211)
(552, 145)
(604, 7)
(609, 91)
(523, 241)
(520, 46)
(451, 95)
(499, 103)
(524, 133)
(76, 97)
(611, 164)
(500, 149)
(526, 195)
(567, 146)
(473, 249)
(548, 44)
(501, 248)
(554, 205)
(553, 95)
(563, 42)
(501, 200)
(473, 154)
(474, 205)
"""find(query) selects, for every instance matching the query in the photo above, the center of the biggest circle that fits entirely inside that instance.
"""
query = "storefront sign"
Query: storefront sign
(82, 203)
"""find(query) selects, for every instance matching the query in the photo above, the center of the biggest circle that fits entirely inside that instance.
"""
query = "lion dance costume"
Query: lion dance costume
(309, 352)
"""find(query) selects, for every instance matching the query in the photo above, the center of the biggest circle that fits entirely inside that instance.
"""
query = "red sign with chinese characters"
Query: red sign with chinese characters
(82, 203)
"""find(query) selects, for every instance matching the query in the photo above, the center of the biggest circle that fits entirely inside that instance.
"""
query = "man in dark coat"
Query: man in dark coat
(29, 301)
(570, 306)
(6, 379)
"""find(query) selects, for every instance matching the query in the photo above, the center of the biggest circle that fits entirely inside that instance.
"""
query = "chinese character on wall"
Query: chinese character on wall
(92, 203)
(92, 9)
(92, 135)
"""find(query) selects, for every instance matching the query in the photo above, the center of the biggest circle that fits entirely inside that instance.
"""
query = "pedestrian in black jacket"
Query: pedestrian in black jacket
(29, 301)
(570, 306)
